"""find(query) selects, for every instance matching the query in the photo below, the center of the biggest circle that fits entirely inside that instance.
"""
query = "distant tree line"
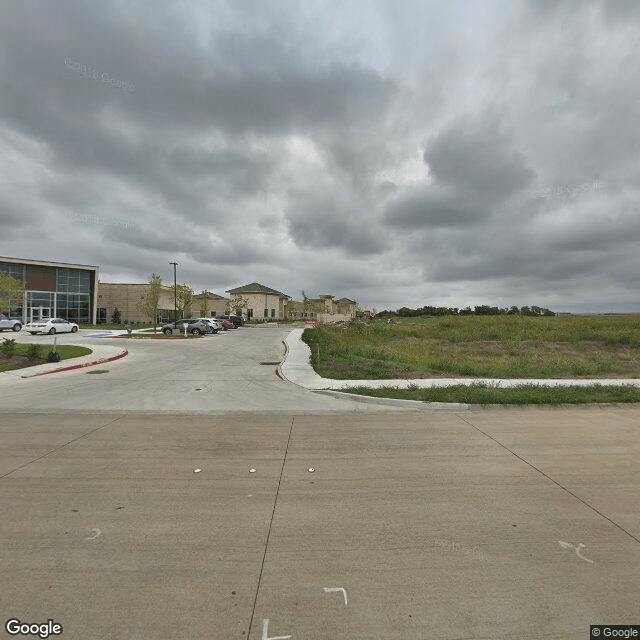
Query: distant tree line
(479, 310)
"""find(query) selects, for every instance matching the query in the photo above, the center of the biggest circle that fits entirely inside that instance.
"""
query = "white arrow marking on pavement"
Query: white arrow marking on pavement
(96, 533)
(265, 630)
(344, 592)
(568, 545)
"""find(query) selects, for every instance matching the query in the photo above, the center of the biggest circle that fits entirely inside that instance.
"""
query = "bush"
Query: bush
(8, 347)
(115, 318)
(33, 351)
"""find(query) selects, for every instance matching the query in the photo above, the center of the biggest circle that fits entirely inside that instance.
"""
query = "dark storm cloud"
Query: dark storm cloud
(475, 169)
(320, 220)
(435, 207)
(475, 156)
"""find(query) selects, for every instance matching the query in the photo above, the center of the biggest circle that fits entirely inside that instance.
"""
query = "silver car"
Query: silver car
(9, 323)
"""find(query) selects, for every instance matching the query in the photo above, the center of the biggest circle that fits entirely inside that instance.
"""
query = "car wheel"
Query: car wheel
(196, 332)
(74, 329)
(17, 326)
(52, 331)
(167, 332)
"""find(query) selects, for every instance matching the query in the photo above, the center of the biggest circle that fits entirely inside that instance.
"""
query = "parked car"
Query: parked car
(195, 326)
(14, 324)
(214, 325)
(226, 324)
(51, 326)
(237, 320)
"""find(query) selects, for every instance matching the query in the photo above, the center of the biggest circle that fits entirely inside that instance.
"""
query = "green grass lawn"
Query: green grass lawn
(22, 359)
(524, 394)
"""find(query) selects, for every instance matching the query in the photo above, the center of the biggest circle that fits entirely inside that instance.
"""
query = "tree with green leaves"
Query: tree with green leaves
(290, 308)
(236, 304)
(11, 292)
(148, 305)
(184, 295)
(204, 304)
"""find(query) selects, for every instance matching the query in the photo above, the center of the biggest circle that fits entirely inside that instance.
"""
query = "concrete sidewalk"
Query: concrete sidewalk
(296, 368)
(99, 353)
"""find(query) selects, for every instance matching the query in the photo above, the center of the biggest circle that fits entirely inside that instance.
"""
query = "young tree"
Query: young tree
(184, 295)
(204, 304)
(149, 303)
(11, 292)
(236, 304)
(290, 308)
(115, 316)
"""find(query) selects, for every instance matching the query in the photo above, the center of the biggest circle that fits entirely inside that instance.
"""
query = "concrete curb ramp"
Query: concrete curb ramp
(296, 368)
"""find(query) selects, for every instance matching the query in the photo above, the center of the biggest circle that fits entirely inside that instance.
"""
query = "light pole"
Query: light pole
(175, 292)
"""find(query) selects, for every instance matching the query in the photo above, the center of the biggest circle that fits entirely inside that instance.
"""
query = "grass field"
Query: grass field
(479, 346)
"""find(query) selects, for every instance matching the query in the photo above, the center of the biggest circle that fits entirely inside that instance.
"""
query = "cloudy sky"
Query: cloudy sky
(450, 152)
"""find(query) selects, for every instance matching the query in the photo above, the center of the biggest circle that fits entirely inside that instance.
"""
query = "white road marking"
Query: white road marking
(568, 545)
(344, 592)
(265, 630)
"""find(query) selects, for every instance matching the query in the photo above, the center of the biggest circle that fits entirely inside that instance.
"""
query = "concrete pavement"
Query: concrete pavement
(497, 523)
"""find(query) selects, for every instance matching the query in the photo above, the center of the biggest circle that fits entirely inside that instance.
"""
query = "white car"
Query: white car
(9, 323)
(51, 326)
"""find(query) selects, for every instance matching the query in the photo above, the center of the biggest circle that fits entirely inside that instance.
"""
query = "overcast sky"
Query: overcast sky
(397, 153)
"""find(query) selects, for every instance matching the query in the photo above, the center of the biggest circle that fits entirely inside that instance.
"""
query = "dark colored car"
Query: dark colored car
(237, 320)
(195, 326)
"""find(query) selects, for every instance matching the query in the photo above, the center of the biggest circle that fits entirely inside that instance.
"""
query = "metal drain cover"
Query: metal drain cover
(99, 371)
(275, 362)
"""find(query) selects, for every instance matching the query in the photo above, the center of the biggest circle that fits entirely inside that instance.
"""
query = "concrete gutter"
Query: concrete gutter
(296, 368)
(100, 354)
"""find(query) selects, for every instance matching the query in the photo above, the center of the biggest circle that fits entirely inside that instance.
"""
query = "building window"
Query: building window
(101, 315)
(249, 314)
(273, 313)
(14, 270)
(266, 313)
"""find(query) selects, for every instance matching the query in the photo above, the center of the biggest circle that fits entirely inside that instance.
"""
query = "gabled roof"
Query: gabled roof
(345, 301)
(255, 287)
(212, 295)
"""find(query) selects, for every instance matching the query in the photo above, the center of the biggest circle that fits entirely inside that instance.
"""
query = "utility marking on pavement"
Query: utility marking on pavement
(96, 533)
(568, 545)
(265, 630)
(332, 589)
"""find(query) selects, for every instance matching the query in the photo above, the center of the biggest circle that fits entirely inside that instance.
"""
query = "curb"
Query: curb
(79, 366)
(394, 402)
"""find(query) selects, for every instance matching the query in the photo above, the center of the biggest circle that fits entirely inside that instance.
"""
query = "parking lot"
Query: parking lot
(190, 493)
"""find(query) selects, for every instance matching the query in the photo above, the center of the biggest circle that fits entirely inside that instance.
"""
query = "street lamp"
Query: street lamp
(175, 292)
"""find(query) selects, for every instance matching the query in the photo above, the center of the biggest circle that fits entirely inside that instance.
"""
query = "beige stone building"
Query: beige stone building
(323, 309)
(260, 302)
(127, 296)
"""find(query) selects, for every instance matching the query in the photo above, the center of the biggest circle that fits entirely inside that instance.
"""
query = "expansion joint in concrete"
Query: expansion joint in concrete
(541, 472)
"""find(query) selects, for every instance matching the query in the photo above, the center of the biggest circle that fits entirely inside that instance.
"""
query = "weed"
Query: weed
(9, 347)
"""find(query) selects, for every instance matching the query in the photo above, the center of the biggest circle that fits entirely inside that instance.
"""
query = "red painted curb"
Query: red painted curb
(79, 366)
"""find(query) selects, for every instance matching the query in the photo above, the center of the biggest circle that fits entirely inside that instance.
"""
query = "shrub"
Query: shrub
(33, 351)
(8, 347)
